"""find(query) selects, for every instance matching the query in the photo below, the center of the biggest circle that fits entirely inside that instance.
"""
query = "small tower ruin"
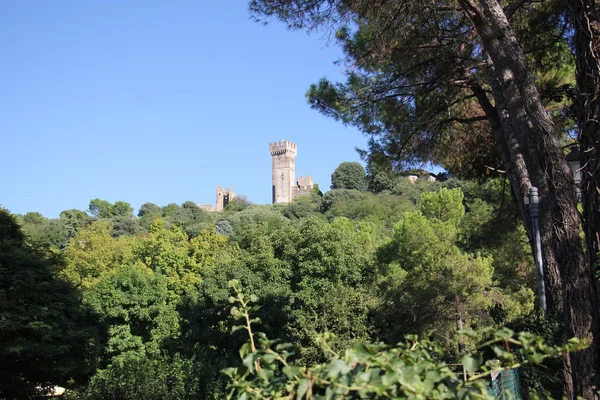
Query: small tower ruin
(224, 196)
(303, 186)
(283, 155)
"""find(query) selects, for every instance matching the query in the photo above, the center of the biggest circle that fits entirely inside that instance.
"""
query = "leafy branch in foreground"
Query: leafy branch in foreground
(412, 369)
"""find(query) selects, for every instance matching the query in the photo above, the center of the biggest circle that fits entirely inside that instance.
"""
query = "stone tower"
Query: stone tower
(283, 154)
(224, 196)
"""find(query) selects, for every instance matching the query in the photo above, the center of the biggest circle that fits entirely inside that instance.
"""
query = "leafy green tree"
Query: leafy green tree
(349, 175)
(149, 209)
(195, 230)
(165, 251)
(197, 213)
(256, 259)
(139, 376)
(313, 278)
(491, 225)
(338, 195)
(147, 213)
(270, 215)
(238, 203)
(208, 250)
(383, 209)
(303, 206)
(182, 216)
(73, 221)
(122, 209)
(125, 226)
(45, 233)
(331, 280)
(47, 337)
(104, 209)
(169, 209)
(188, 214)
(93, 253)
(404, 187)
(435, 285)
(33, 218)
(413, 368)
(223, 227)
(445, 205)
(100, 208)
(138, 308)
(138, 300)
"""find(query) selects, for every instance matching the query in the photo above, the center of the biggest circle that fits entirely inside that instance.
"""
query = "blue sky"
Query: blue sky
(155, 101)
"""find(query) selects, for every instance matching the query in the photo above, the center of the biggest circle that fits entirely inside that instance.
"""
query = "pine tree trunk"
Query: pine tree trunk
(586, 20)
(585, 16)
(516, 171)
(531, 139)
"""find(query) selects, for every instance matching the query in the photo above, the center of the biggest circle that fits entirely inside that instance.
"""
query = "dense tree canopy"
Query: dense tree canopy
(47, 337)
(467, 84)
(331, 272)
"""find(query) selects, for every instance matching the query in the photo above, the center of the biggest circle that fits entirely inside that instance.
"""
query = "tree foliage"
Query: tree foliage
(461, 84)
(47, 337)
(349, 175)
(410, 370)
(331, 272)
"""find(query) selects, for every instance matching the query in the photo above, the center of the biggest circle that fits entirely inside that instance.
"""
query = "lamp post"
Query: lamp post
(533, 200)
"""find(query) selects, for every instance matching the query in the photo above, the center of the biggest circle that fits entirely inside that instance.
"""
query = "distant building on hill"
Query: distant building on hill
(420, 174)
(285, 187)
(224, 196)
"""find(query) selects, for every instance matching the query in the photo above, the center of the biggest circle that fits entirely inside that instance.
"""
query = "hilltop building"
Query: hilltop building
(285, 187)
(224, 196)
(429, 178)
(420, 174)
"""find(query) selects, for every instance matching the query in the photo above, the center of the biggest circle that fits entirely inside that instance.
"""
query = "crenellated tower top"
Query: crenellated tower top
(283, 147)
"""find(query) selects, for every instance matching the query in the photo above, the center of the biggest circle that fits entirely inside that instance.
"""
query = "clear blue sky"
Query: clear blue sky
(155, 101)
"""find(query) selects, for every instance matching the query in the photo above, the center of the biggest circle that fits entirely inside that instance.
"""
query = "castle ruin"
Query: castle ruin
(224, 196)
(284, 185)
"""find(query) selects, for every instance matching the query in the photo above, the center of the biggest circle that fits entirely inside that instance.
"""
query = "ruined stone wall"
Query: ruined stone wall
(303, 186)
(305, 181)
(224, 196)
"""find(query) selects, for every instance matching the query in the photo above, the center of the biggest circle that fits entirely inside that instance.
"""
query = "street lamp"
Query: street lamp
(573, 158)
(532, 199)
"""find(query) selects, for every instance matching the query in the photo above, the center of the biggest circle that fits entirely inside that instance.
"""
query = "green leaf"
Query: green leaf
(289, 371)
(338, 367)
(389, 378)
(245, 349)
(269, 358)
(537, 358)
(248, 361)
(302, 389)
(472, 363)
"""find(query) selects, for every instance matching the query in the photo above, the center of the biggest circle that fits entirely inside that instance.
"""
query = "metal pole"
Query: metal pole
(534, 203)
